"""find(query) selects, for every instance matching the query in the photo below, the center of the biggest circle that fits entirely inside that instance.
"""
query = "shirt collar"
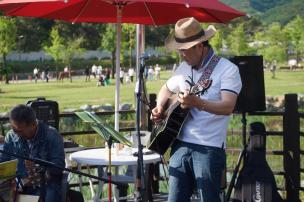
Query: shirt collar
(207, 59)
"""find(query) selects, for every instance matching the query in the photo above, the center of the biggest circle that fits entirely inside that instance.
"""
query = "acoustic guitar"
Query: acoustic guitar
(165, 132)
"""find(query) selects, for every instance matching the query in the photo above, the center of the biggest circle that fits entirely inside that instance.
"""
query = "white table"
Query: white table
(99, 157)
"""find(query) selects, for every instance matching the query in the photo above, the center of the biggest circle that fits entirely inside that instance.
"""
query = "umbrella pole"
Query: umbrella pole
(118, 45)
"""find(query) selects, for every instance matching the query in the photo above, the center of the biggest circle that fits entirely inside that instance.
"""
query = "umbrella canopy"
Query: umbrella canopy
(151, 12)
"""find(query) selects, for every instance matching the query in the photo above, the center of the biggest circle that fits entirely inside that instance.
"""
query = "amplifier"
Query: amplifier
(46, 111)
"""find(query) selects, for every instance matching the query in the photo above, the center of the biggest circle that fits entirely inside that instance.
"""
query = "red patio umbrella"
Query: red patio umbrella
(152, 12)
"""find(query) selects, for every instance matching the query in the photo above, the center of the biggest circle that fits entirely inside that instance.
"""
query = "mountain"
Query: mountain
(269, 11)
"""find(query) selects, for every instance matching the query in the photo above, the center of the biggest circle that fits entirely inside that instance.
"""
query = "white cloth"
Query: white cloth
(131, 72)
(157, 69)
(121, 74)
(35, 71)
(201, 127)
(100, 157)
(94, 69)
(66, 69)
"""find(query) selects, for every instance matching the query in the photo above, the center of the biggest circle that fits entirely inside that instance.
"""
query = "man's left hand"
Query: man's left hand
(187, 100)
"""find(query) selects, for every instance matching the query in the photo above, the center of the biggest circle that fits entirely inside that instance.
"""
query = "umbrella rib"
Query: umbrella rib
(219, 20)
(150, 13)
(81, 11)
(16, 9)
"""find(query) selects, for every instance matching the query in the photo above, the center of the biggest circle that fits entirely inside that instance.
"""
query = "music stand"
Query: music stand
(109, 134)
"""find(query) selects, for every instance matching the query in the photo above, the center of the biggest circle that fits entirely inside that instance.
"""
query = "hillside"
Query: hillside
(269, 11)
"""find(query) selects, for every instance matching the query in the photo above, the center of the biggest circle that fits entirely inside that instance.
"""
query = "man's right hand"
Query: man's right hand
(156, 115)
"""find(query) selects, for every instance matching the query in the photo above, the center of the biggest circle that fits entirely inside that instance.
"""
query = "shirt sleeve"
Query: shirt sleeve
(56, 149)
(231, 80)
(177, 83)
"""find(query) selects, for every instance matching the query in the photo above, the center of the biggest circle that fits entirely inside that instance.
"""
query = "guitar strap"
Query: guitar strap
(207, 72)
(210, 67)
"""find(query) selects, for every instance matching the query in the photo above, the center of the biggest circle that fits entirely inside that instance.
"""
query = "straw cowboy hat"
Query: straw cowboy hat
(187, 33)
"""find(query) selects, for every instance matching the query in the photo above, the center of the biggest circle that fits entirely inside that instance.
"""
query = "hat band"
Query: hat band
(191, 38)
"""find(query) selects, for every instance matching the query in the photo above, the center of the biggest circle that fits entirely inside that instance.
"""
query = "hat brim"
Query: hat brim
(171, 44)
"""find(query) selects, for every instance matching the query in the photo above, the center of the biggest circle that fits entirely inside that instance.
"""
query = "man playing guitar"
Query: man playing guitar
(197, 155)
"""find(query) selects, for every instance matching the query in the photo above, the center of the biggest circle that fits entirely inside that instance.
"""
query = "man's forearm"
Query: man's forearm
(163, 96)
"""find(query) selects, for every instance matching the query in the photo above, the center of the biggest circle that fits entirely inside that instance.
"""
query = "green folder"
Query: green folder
(103, 129)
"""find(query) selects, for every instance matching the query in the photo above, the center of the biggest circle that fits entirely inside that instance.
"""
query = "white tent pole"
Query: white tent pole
(117, 92)
(138, 47)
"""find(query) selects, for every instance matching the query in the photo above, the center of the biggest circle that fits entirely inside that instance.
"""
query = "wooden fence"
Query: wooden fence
(291, 133)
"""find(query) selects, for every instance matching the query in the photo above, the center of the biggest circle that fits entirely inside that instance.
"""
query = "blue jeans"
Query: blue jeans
(194, 166)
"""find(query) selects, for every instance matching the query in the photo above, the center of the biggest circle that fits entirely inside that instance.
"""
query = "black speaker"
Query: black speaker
(46, 111)
(252, 95)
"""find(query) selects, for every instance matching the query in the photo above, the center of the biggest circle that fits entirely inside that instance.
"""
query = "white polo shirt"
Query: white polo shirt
(201, 127)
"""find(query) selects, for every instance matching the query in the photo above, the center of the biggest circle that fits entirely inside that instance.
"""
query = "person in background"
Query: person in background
(108, 75)
(32, 138)
(273, 68)
(150, 73)
(131, 73)
(87, 74)
(36, 74)
(157, 72)
(121, 75)
(197, 156)
(46, 74)
(94, 69)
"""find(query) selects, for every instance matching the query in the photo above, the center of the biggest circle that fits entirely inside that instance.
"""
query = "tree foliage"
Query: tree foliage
(108, 42)
(128, 41)
(32, 33)
(217, 42)
(272, 43)
(56, 47)
(72, 49)
(238, 41)
(295, 34)
(63, 50)
(8, 32)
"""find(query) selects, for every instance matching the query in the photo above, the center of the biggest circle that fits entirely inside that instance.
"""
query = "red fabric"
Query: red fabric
(155, 12)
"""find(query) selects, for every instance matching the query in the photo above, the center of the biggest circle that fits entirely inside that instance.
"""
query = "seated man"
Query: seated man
(31, 138)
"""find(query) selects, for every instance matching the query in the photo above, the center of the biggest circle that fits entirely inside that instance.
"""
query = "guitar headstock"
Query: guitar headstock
(201, 87)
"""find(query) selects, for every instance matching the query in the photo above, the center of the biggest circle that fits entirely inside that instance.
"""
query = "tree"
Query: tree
(156, 35)
(238, 41)
(8, 37)
(35, 32)
(295, 34)
(217, 41)
(272, 43)
(108, 42)
(72, 49)
(89, 32)
(56, 48)
(129, 40)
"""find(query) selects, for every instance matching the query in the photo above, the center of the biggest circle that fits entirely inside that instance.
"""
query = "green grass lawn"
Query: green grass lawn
(69, 95)
(79, 92)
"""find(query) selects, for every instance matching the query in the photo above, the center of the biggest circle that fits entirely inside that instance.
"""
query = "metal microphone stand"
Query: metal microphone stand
(42, 194)
(140, 161)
